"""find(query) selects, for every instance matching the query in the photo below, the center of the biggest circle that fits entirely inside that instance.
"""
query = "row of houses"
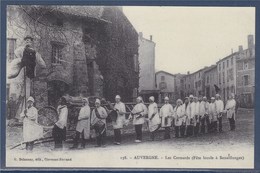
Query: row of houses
(232, 74)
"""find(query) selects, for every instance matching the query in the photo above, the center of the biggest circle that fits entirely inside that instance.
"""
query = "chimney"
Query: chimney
(240, 48)
(232, 51)
(151, 38)
(140, 34)
(188, 72)
(250, 41)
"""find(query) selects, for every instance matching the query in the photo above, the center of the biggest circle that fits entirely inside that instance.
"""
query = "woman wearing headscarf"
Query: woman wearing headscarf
(83, 125)
(59, 129)
(154, 120)
(179, 115)
(137, 114)
(98, 122)
(31, 130)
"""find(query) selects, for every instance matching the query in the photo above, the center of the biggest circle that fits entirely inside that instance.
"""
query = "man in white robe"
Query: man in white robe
(83, 124)
(31, 130)
(98, 121)
(154, 120)
(192, 112)
(120, 120)
(231, 111)
(203, 112)
(186, 107)
(213, 115)
(220, 109)
(179, 116)
(196, 117)
(166, 114)
(137, 114)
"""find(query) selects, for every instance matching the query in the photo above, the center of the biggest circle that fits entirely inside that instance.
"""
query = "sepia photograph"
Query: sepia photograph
(130, 87)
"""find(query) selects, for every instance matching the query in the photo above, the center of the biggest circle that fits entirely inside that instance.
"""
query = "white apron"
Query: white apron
(120, 121)
(31, 130)
(155, 122)
(166, 113)
(231, 108)
(84, 121)
(179, 115)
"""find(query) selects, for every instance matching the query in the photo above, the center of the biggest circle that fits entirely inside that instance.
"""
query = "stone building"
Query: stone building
(226, 68)
(147, 68)
(211, 81)
(88, 50)
(165, 83)
(199, 82)
(245, 83)
(187, 83)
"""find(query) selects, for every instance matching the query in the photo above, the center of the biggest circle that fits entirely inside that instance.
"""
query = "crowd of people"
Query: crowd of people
(191, 117)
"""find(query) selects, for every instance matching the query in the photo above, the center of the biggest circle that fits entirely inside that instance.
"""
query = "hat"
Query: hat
(166, 98)
(204, 97)
(98, 101)
(212, 98)
(118, 97)
(191, 96)
(232, 95)
(28, 37)
(217, 95)
(179, 100)
(139, 98)
(30, 99)
(151, 98)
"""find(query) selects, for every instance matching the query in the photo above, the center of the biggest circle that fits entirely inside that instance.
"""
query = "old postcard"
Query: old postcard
(130, 87)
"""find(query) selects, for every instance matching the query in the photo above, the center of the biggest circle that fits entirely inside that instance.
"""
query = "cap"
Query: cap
(85, 99)
(217, 95)
(139, 98)
(30, 99)
(118, 97)
(212, 98)
(151, 98)
(166, 98)
(204, 97)
(191, 96)
(98, 101)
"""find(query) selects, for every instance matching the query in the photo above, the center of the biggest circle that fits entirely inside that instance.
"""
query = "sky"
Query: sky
(190, 38)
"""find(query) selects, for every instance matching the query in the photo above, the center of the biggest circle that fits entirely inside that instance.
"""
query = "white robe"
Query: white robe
(212, 112)
(231, 108)
(103, 114)
(179, 115)
(155, 121)
(166, 113)
(204, 106)
(84, 121)
(187, 113)
(219, 106)
(31, 129)
(120, 121)
(63, 116)
(140, 107)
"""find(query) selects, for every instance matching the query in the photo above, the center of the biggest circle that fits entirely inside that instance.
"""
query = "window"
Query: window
(219, 66)
(246, 80)
(227, 63)
(57, 53)
(219, 76)
(228, 76)
(223, 64)
(223, 77)
(232, 61)
(199, 74)
(245, 65)
(207, 79)
(136, 63)
(162, 78)
(189, 86)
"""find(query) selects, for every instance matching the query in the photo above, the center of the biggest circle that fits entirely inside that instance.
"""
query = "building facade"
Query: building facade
(226, 68)
(147, 67)
(88, 51)
(245, 75)
(187, 83)
(211, 81)
(165, 83)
